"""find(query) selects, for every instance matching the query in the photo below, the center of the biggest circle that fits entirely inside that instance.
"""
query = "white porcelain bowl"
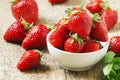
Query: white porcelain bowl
(77, 61)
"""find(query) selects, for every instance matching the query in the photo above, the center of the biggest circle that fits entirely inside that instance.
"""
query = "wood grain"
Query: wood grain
(50, 70)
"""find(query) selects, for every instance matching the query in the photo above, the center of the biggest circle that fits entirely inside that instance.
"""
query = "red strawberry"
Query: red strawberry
(59, 36)
(36, 38)
(30, 59)
(57, 1)
(15, 33)
(91, 46)
(73, 44)
(110, 17)
(80, 23)
(26, 9)
(99, 29)
(94, 6)
(115, 44)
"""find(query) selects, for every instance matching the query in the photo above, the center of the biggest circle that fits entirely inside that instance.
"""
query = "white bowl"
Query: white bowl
(77, 61)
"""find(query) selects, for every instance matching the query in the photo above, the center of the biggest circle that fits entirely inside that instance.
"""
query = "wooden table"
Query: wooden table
(50, 70)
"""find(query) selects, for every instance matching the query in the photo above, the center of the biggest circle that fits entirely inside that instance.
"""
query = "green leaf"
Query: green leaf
(107, 69)
(116, 60)
(116, 66)
(108, 57)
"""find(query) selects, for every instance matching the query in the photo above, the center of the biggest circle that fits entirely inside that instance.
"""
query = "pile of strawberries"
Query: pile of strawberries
(76, 33)
(27, 32)
(80, 32)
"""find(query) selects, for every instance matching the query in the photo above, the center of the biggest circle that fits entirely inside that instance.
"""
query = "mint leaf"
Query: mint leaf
(108, 57)
(107, 69)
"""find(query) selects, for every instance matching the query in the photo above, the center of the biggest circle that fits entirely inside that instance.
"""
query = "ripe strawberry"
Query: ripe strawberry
(115, 44)
(80, 23)
(29, 59)
(91, 46)
(110, 17)
(15, 33)
(99, 29)
(73, 44)
(57, 1)
(60, 35)
(36, 37)
(94, 6)
(26, 9)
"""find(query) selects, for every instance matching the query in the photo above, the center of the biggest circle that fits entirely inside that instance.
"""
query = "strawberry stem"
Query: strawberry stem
(82, 5)
(96, 17)
(75, 37)
(26, 25)
(47, 25)
(41, 55)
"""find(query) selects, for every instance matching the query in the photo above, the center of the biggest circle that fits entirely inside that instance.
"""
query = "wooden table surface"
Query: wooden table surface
(50, 70)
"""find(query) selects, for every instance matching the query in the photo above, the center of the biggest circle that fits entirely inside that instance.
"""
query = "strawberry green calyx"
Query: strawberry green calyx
(40, 52)
(75, 37)
(66, 19)
(14, 1)
(41, 55)
(48, 26)
(105, 5)
(26, 25)
(72, 11)
(68, 10)
(96, 17)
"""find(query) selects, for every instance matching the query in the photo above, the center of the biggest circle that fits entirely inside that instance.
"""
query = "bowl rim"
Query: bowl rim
(65, 52)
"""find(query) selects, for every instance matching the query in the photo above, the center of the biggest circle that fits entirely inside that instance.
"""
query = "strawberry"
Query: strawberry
(110, 17)
(99, 29)
(91, 46)
(115, 44)
(57, 1)
(80, 23)
(29, 59)
(15, 33)
(36, 37)
(60, 35)
(97, 6)
(26, 9)
(73, 44)
(94, 6)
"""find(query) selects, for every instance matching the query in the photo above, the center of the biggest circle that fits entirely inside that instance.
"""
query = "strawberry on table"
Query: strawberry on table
(73, 44)
(60, 35)
(99, 29)
(115, 44)
(36, 37)
(15, 33)
(80, 23)
(110, 17)
(26, 9)
(29, 59)
(57, 1)
(91, 46)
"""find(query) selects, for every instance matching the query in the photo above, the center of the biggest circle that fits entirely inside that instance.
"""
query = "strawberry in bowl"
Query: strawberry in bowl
(77, 43)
